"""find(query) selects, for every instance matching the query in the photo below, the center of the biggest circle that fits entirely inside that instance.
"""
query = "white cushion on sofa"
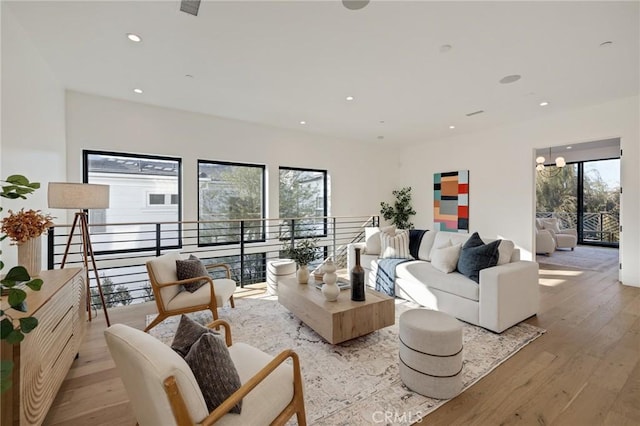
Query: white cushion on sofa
(395, 246)
(442, 239)
(454, 283)
(372, 237)
(445, 259)
(505, 251)
(426, 244)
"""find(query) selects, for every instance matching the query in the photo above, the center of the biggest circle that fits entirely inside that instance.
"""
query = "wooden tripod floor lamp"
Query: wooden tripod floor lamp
(81, 196)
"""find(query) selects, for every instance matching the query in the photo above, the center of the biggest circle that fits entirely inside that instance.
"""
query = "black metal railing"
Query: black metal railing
(122, 249)
(599, 228)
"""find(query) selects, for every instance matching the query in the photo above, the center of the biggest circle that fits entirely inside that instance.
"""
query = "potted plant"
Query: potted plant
(304, 252)
(24, 228)
(11, 330)
(400, 212)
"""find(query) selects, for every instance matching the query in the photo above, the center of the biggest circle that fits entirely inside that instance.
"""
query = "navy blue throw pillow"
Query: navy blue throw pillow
(476, 255)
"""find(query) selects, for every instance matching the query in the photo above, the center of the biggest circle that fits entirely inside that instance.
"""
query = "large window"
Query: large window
(143, 188)
(227, 193)
(303, 202)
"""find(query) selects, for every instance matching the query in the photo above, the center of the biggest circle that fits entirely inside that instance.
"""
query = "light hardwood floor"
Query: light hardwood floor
(584, 371)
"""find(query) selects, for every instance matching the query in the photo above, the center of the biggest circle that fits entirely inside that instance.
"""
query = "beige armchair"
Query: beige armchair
(163, 390)
(563, 238)
(172, 299)
(545, 243)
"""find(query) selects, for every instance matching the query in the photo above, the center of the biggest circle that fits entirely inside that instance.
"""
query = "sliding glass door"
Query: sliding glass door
(600, 204)
(584, 196)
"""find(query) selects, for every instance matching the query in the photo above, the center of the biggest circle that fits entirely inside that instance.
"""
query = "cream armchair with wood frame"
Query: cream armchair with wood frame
(163, 390)
(172, 299)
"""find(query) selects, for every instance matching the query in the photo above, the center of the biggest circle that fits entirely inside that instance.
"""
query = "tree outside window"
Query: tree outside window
(303, 198)
(229, 192)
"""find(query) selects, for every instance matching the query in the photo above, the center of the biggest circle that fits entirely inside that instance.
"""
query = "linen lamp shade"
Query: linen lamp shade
(62, 195)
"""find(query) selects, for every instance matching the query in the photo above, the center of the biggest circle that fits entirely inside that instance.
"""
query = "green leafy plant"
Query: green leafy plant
(13, 330)
(400, 211)
(303, 252)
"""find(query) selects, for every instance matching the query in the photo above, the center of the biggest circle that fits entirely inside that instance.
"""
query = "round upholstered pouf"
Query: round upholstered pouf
(431, 353)
(276, 270)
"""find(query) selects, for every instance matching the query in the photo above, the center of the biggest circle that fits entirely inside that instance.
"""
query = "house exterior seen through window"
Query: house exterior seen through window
(141, 189)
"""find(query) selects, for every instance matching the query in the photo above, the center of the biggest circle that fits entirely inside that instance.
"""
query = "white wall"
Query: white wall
(33, 128)
(501, 168)
(357, 178)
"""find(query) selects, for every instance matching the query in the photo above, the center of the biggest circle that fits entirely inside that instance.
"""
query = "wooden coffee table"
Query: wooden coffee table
(336, 321)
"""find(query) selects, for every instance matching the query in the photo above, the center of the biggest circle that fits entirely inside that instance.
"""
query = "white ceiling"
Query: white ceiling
(278, 63)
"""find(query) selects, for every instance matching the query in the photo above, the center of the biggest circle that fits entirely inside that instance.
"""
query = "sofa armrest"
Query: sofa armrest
(351, 254)
(569, 232)
(508, 294)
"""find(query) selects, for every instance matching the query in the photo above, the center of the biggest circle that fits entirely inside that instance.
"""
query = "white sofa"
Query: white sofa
(506, 295)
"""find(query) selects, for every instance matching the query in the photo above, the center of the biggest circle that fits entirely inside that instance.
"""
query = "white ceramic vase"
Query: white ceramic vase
(330, 289)
(303, 274)
(30, 256)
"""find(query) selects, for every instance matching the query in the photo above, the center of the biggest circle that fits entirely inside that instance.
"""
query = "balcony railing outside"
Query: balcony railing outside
(121, 249)
(603, 227)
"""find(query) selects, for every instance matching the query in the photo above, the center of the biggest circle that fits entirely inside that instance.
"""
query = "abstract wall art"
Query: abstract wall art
(451, 201)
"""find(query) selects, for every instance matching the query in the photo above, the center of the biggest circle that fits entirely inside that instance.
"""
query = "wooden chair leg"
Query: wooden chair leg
(233, 305)
(300, 416)
(214, 313)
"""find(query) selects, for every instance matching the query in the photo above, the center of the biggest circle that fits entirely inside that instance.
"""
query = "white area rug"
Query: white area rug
(356, 382)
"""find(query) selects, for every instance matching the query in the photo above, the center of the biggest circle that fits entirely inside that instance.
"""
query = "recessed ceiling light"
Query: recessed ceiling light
(134, 37)
(569, 147)
(452, 127)
(510, 79)
(303, 122)
(138, 91)
(349, 98)
(606, 44)
(544, 103)
(445, 48)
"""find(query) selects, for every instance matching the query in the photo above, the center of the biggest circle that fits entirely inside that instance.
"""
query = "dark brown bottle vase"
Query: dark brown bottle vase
(357, 280)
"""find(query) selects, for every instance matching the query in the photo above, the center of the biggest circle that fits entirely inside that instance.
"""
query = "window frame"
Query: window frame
(85, 179)
(263, 196)
(325, 209)
(580, 202)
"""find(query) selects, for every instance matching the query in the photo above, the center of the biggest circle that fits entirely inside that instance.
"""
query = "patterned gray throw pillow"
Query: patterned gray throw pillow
(191, 268)
(214, 371)
(187, 334)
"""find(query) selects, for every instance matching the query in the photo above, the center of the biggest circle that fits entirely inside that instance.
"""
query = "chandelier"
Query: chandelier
(540, 167)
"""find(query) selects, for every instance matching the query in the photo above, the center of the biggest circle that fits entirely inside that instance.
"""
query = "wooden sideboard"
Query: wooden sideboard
(43, 358)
